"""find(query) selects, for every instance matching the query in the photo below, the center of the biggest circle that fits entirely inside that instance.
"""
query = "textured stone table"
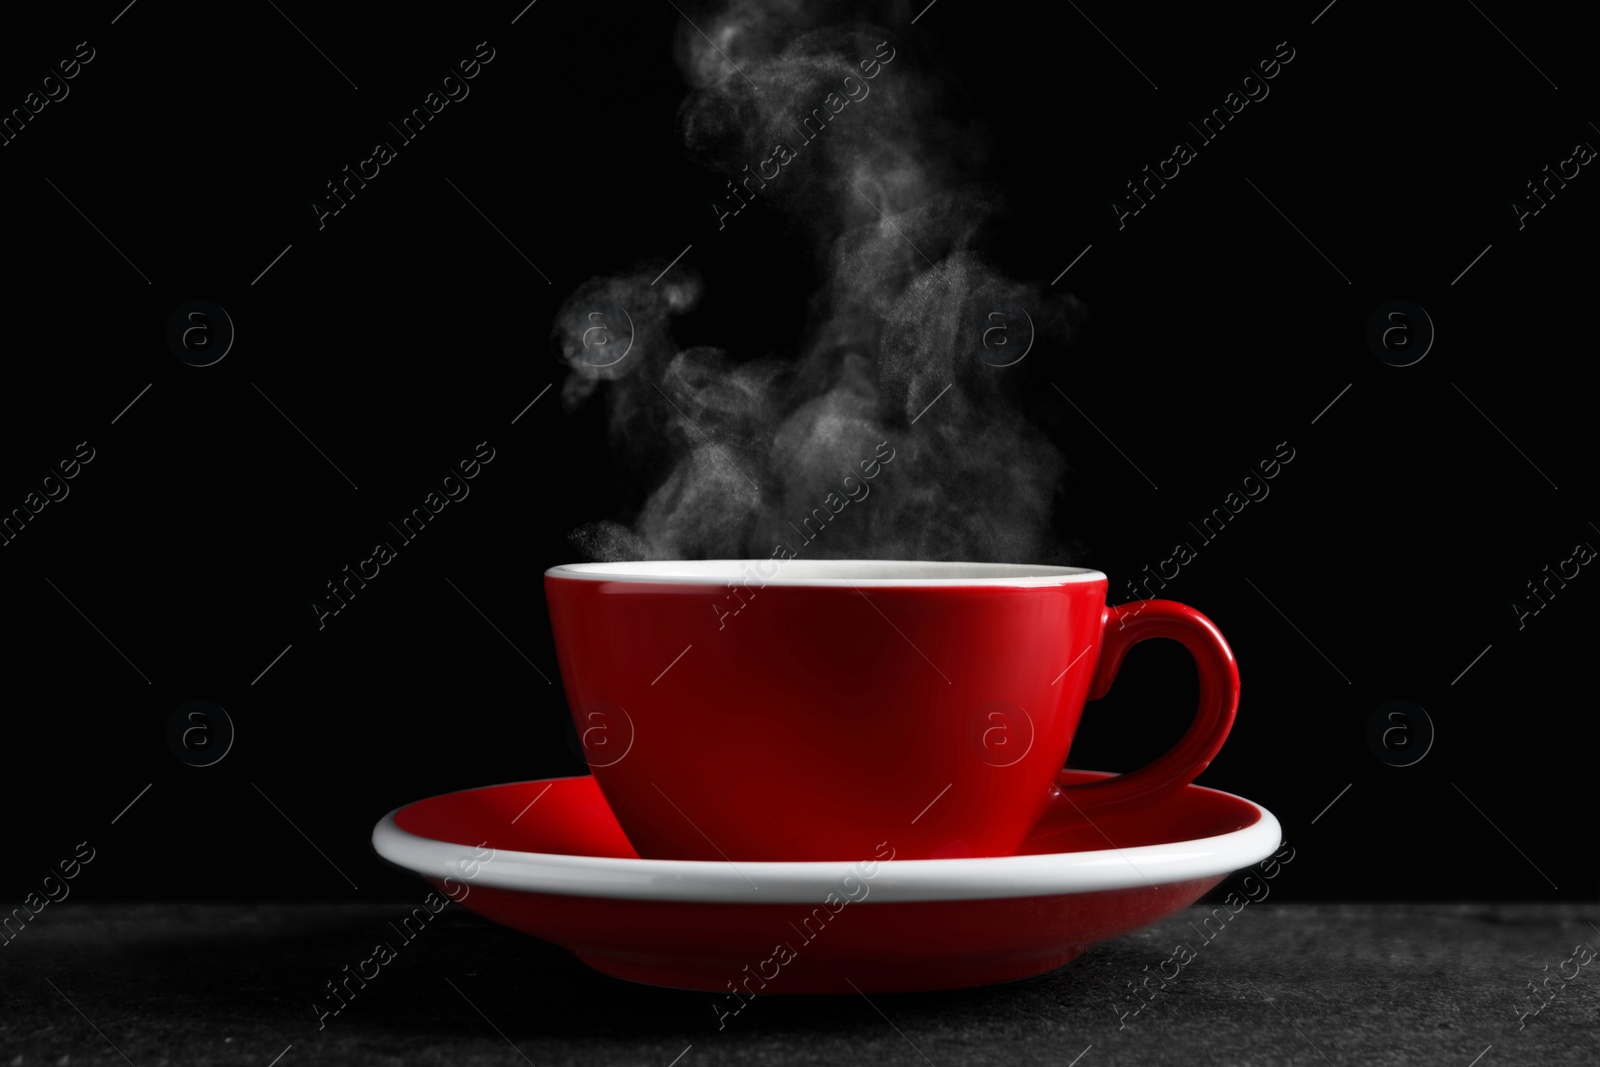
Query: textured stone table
(1291, 984)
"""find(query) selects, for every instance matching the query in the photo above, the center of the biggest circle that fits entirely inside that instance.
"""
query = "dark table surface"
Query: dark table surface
(1291, 984)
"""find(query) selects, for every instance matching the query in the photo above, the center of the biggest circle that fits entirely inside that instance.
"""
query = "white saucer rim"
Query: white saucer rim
(809, 882)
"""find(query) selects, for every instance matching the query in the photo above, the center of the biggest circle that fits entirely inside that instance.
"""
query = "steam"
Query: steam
(740, 446)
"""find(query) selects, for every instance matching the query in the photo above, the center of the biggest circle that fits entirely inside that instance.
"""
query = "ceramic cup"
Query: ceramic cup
(780, 710)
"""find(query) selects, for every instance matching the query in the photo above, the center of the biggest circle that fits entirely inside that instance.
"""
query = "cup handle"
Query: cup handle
(1122, 626)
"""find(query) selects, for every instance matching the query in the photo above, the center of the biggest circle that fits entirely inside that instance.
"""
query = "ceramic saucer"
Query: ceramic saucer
(562, 870)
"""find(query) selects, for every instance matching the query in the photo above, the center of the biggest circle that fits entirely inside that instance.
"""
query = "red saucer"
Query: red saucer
(562, 870)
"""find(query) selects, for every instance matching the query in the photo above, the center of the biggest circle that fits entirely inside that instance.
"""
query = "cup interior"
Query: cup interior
(845, 572)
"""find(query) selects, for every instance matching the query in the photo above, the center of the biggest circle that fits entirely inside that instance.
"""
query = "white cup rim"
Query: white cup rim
(828, 572)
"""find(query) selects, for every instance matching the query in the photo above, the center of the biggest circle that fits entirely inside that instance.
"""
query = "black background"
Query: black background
(408, 330)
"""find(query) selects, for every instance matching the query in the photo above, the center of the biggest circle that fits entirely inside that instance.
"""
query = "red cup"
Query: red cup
(772, 710)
